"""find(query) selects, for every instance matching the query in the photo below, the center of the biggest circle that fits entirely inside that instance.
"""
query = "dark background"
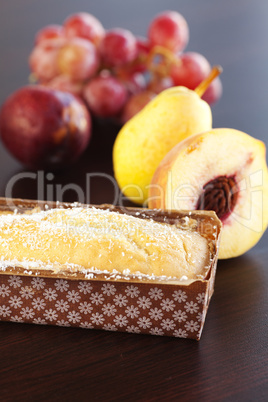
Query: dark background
(230, 362)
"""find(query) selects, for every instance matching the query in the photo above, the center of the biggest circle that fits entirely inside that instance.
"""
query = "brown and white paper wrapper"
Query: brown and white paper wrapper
(133, 305)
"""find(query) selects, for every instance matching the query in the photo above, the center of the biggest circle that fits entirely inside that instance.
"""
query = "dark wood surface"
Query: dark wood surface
(230, 363)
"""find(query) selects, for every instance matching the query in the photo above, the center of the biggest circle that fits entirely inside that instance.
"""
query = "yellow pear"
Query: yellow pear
(144, 140)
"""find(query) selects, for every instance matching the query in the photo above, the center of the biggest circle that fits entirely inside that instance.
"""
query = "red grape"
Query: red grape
(160, 85)
(65, 84)
(43, 59)
(49, 32)
(170, 30)
(142, 44)
(135, 104)
(214, 91)
(192, 68)
(105, 95)
(84, 25)
(78, 59)
(118, 47)
(143, 49)
(135, 83)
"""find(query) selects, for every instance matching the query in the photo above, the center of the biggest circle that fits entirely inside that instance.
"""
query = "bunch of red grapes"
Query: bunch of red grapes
(114, 72)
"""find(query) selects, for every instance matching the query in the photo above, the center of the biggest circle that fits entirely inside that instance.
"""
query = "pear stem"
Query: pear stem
(203, 86)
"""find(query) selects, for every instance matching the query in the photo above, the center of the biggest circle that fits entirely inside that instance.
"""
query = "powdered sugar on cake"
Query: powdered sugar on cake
(95, 240)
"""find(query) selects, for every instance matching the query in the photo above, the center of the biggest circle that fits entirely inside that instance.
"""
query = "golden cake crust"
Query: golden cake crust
(100, 240)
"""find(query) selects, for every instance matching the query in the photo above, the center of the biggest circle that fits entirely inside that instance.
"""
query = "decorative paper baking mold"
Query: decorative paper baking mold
(133, 305)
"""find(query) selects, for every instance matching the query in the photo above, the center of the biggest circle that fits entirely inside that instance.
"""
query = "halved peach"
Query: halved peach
(222, 170)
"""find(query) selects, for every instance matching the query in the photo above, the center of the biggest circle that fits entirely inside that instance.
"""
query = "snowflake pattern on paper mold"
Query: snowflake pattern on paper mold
(134, 308)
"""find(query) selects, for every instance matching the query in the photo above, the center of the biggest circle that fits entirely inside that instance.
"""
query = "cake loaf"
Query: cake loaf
(99, 240)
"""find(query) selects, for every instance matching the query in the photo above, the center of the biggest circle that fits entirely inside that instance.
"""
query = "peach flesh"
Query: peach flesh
(219, 195)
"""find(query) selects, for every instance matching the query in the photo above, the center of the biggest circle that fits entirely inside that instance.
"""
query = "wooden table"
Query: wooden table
(230, 363)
